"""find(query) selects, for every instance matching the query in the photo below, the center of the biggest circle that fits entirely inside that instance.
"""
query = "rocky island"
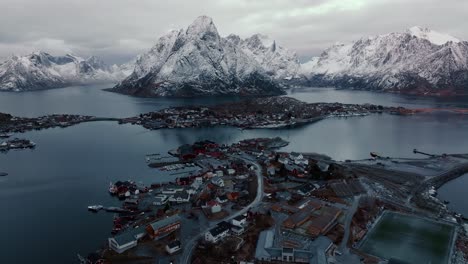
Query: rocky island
(270, 112)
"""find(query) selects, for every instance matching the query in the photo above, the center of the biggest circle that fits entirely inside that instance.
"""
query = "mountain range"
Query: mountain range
(40, 70)
(197, 61)
(417, 61)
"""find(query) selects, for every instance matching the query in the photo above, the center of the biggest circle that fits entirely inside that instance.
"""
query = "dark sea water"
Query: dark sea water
(43, 200)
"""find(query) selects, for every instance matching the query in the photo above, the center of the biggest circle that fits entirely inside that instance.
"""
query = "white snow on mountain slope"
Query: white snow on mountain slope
(277, 61)
(433, 36)
(197, 61)
(395, 61)
(40, 70)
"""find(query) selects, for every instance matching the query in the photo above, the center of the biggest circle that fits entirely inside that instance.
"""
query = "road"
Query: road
(349, 217)
(438, 180)
(190, 245)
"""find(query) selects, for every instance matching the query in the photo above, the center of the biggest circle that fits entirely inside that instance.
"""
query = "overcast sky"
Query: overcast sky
(118, 30)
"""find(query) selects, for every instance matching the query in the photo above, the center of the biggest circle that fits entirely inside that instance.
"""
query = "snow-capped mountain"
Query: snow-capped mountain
(41, 70)
(198, 61)
(416, 61)
(278, 62)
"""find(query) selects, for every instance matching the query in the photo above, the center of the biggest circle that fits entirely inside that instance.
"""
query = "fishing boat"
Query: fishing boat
(5, 135)
(3, 174)
(115, 209)
(95, 208)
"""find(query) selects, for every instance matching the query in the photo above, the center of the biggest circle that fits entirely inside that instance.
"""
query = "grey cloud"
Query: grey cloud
(118, 30)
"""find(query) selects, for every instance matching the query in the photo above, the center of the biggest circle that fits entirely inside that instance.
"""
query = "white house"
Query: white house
(217, 181)
(122, 243)
(209, 175)
(218, 232)
(283, 160)
(231, 171)
(172, 189)
(197, 183)
(219, 173)
(295, 156)
(239, 220)
(301, 161)
(127, 240)
(173, 247)
(180, 197)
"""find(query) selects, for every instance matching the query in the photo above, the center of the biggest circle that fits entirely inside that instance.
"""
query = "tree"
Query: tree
(167, 207)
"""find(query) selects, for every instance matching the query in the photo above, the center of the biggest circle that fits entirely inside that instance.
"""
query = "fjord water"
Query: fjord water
(44, 198)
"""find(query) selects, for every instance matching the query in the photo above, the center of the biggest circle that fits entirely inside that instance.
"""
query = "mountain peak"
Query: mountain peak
(258, 40)
(431, 35)
(201, 26)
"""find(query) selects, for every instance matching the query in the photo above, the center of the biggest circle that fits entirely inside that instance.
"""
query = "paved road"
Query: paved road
(190, 245)
(349, 217)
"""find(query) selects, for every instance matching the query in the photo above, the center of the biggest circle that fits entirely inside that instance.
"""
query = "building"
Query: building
(172, 189)
(160, 199)
(127, 240)
(324, 222)
(173, 247)
(240, 220)
(265, 241)
(218, 233)
(299, 218)
(214, 206)
(217, 181)
(222, 199)
(197, 183)
(180, 197)
(266, 252)
(237, 230)
(163, 227)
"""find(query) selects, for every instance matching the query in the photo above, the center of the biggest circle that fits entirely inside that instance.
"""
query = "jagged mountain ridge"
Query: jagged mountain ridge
(197, 61)
(417, 61)
(40, 70)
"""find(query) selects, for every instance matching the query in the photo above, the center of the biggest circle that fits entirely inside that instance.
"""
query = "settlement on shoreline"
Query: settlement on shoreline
(232, 196)
(266, 113)
(271, 112)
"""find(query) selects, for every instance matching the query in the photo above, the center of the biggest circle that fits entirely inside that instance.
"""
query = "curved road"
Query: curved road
(190, 245)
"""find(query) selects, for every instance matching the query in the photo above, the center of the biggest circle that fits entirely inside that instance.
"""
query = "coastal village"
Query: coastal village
(270, 112)
(248, 202)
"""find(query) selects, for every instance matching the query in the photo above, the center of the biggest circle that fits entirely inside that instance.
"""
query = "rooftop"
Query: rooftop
(220, 228)
(164, 222)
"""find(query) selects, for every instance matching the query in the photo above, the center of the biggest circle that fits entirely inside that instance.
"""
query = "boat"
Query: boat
(3, 174)
(95, 208)
(5, 135)
(112, 189)
(113, 209)
(374, 154)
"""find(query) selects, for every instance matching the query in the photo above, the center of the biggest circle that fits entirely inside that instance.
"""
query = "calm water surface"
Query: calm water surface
(44, 199)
